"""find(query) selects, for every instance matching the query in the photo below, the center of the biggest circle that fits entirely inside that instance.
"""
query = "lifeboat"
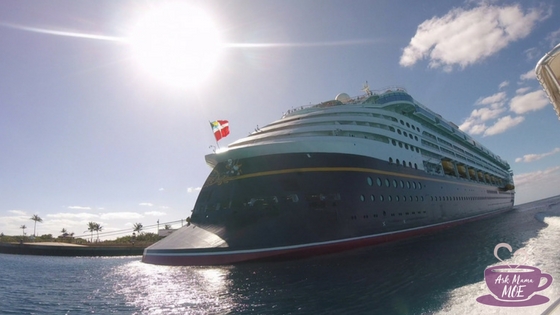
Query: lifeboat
(480, 176)
(472, 173)
(462, 170)
(448, 167)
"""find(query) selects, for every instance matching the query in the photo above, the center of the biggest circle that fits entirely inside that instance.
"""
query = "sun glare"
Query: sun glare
(177, 44)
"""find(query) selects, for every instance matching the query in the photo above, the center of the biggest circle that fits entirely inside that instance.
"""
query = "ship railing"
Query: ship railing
(353, 100)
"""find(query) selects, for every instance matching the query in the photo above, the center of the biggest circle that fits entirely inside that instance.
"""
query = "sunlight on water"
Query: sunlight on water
(173, 290)
(542, 252)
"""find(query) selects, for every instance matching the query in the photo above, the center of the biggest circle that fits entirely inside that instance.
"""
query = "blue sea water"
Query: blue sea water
(440, 273)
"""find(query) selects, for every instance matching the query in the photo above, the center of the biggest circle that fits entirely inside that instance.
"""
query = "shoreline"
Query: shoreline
(72, 250)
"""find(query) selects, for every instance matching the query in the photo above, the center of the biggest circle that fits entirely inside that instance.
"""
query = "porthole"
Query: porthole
(405, 134)
(419, 185)
(402, 122)
(387, 183)
(372, 197)
(408, 125)
(398, 162)
(397, 198)
(378, 180)
(406, 146)
(403, 163)
(400, 144)
(391, 160)
(416, 197)
(415, 166)
(409, 164)
(421, 198)
(410, 198)
(404, 198)
(399, 131)
(369, 181)
(410, 136)
(394, 183)
(416, 138)
(394, 142)
(362, 198)
(380, 197)
(401, 183)
(413, 185)
(408, 184)
(390, 198)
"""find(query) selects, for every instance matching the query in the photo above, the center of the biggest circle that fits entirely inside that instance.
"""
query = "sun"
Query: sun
(177, 44)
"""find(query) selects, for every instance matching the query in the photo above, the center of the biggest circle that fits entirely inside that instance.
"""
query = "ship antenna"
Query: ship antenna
(366, 89)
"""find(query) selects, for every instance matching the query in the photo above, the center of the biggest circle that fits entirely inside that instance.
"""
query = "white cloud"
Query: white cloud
(554, 38)
(503, 84)
(536, 177)
(464, 37)
(155, 213)
(18, 212)
(532, 101)
(192, 189)
(120, 215)
(529, 75)
(161, 189)
(67, 215)
(492, 99)
(146, 204)
(535, 157)
(503, 124)
(522, 90)
(79, 208)
(532, 53)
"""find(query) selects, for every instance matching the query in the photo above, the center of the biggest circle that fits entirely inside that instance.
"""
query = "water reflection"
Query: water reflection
(155, 289)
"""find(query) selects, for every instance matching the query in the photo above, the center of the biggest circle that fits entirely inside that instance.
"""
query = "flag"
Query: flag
(220, 128)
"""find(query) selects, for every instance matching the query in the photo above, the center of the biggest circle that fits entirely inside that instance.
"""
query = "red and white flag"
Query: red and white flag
(220, 128)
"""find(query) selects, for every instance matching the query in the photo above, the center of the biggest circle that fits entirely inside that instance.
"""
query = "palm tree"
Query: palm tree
(167, 227)
(91, 228)
(98, 228)
(36, 218)
(63, 231)
(23, 227)
(138, 227)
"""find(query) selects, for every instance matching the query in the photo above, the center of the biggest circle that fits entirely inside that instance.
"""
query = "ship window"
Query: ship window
(422, 198)
(408, 125)
(416, 138)
(410, 198)
(408, 184)
(405, 134)
(410, 164)
(419, 185)
(415, 166)
(401, 183)
(362, 198)
(369, 181)
(400, 144)
(397, 198)
(387, 183)
(390, 161)
(404, 198)
(410, 136)
(399, 131)
(378, 181)
(406, 146)
(372, 198)
(414, 185)
(394, 142)
(416, 197)
(390, 198)
(402, 122)
(380, 197)
(394, 183)
(403, 163)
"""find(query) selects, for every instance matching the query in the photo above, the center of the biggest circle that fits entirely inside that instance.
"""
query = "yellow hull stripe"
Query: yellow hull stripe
(345, 169)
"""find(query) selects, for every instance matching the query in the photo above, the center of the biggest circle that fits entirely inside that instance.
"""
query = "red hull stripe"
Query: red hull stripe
(182, 257)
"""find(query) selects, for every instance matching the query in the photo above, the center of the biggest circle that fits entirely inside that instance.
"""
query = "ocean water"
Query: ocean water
(442, 273)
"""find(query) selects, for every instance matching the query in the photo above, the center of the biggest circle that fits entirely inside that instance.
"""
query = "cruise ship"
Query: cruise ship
(334, 176)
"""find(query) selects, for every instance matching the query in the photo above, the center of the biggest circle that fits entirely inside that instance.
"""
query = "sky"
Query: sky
(105, 105)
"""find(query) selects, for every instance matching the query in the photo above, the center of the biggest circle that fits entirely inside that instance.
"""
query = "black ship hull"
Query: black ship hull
(305, 204)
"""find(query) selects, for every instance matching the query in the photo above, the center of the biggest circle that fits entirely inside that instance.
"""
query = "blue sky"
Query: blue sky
(89, 130)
